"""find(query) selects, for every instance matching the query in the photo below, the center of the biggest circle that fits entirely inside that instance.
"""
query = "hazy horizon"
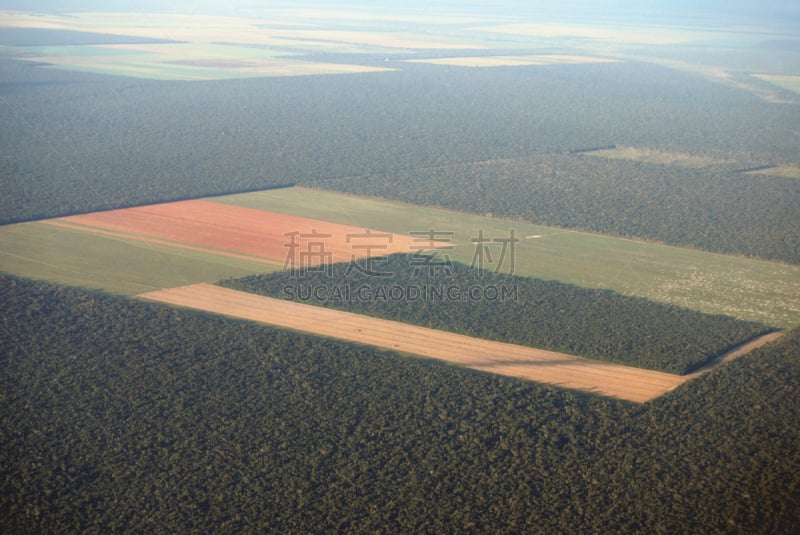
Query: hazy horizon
(680, 12)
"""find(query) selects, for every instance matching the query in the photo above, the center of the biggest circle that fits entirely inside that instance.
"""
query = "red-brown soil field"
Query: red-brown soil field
(225, 230)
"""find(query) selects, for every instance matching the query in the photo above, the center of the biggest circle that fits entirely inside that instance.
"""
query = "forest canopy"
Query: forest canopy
(479, 140)
(125, 415)
(428, 289)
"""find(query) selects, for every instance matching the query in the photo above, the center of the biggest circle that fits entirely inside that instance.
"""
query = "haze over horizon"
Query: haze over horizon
(682, 11)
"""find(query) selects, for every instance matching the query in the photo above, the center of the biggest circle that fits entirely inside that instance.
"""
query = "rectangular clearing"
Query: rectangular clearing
(253, 234)
(559, 369)
(658, 157)
(138, 249)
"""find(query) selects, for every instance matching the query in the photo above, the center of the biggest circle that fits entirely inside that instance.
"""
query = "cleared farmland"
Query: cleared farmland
(291, 31)
(786, 171)
(135, 250)
(789, 82)
(652, 36)
(688, 161)
(202, 47)
(512, 61)
(643, 154)
(748, 289)
(563, 370)
(186, 61)
(118, 264)
(157, 246)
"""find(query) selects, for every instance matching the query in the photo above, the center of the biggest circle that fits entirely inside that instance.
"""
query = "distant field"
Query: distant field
(184, 61)
(678, 159)
(654, 35)
(786, 171)
(792, 83)
(138, 249)
(511, 61)
(747, 289)
(642, 154)
(201, 47)
(559, 369)
(387, 40)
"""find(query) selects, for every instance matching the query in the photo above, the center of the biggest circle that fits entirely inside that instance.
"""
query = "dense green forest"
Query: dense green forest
(76, 142)
(120, 415)
(714, 208)
(434, 292)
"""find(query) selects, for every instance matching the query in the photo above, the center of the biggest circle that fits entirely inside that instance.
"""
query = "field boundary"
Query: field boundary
(548, 367)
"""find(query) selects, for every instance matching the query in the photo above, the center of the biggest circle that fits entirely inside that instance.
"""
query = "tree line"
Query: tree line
(715, 208)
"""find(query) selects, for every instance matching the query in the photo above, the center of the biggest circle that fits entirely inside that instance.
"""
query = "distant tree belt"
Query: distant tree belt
(715, 208)
(79, 142)
(591, 149)
(598, 324)
(756, 168)
(121, 415)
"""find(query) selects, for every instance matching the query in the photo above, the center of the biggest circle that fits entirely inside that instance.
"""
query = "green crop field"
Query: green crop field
(792, 83)
(113, 264)
(743, 288)
(748, 289)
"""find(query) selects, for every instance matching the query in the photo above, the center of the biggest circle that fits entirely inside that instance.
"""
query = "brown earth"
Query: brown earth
(227, 230)
(145, 239)
(560, 369)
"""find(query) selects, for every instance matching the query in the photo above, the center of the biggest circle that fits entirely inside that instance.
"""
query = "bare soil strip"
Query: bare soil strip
(560, 369)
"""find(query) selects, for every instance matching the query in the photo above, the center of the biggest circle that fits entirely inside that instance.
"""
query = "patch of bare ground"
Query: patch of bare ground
(559, 369)
(238, 232)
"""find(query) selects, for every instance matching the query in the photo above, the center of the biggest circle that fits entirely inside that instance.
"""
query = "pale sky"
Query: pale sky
(784, 11)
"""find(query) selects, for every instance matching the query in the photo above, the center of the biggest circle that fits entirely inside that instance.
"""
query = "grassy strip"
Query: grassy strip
(747, 289)
(112, 263)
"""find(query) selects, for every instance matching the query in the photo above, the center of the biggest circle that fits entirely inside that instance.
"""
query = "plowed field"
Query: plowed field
(560, 369)
(227, 230)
